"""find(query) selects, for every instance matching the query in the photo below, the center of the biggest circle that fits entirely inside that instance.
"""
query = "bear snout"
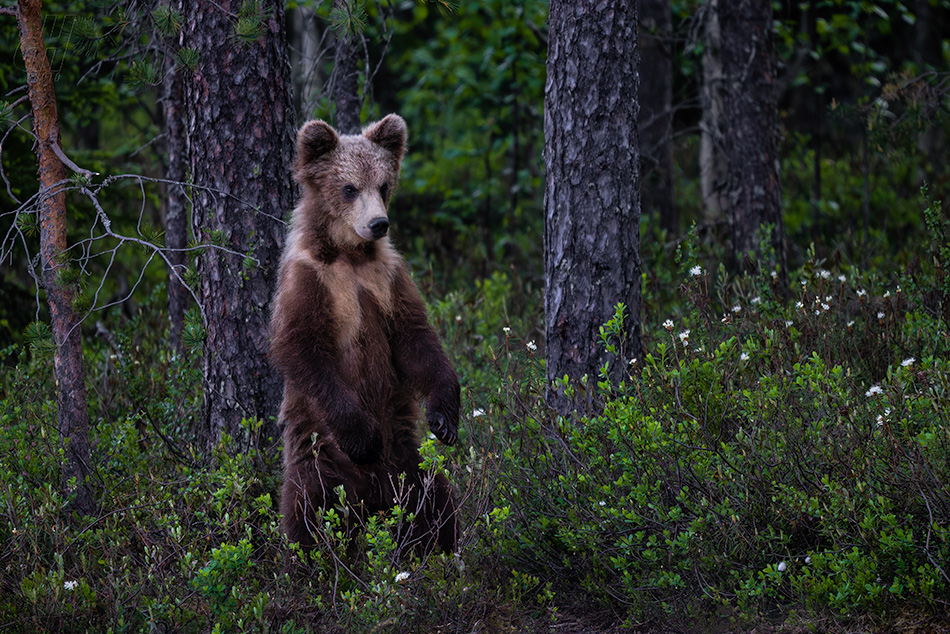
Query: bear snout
(378, 227)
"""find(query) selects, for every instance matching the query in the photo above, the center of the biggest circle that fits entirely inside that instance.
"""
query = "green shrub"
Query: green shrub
(767, 459)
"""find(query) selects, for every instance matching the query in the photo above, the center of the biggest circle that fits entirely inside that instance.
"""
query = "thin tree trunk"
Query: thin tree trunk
(751, 116)
(176, 203)
(240, 127)
(72, 417)
(306, 53)
(816, 129)
(656, 113)
(712, 174)
(345, 90)
(592, 206)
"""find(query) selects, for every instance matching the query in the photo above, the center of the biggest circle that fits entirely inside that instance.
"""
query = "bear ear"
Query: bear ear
(389, 133)
(315, 139)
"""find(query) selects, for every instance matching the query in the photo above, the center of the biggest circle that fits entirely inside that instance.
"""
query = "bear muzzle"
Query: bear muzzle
(378, 227)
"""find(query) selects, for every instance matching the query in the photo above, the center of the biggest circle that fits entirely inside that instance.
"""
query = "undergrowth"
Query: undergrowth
(766, 460)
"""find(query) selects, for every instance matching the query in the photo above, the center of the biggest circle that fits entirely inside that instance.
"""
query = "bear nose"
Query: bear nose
(378, 227)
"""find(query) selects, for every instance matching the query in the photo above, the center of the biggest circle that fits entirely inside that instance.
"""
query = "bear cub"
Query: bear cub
(352, 338)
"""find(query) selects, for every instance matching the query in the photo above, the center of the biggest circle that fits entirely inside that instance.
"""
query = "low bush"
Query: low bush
(764, 461)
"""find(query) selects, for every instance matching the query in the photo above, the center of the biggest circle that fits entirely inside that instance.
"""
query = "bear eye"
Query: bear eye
(384, 190)
(350, 192)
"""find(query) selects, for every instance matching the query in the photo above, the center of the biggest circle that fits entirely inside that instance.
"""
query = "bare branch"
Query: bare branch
(58, 150)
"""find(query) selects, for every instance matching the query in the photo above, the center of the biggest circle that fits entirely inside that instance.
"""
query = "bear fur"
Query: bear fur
(352, 338)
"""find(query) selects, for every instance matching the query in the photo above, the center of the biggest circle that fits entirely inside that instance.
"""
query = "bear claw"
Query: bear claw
(445, 432)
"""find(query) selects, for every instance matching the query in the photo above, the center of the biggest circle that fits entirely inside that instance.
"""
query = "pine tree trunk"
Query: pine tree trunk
(72, 417)
(656, 113)
(240, 127)
(754, 192)
(592, 207)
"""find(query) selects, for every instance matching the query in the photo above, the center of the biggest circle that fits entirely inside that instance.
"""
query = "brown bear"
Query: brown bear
(352, 338)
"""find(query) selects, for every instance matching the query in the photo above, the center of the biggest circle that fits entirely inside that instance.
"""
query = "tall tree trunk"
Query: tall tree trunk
(176, 202)
(754, 191)
(344, 84)
(240, 127)
(712, 172)
(591, 198)
(72, 417)
(656, 113)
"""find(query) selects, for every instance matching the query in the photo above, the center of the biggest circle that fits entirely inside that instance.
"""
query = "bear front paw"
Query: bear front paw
(444, 429)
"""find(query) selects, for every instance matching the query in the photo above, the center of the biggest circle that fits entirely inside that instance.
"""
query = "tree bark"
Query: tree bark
(712, 174)
(72, 416)
(592, 206)
(344, 84)
(754, 192)
(656, 113)
(240, 127)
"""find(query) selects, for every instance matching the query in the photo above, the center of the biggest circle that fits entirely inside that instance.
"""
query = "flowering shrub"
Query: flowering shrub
(764, 457)
(759, 459)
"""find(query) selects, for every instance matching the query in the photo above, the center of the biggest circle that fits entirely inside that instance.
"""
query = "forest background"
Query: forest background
(771, 460)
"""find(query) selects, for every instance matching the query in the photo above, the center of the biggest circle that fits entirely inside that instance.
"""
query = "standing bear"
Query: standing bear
(351, 337)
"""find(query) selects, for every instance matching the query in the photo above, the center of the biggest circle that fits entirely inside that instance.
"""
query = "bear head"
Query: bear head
(347, 181)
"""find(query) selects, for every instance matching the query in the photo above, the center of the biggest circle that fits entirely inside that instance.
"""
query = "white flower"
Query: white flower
(478, 413)
(774, 275)
(887, 294)
(788, 323)
(824, 274)
(880, 315)
(737, 308)
(875, 389)
(602, 503)
(825, 306)
(781, 565)
(850, 323)
(506, 329)
(70, 585)
(531, 345)
(828, 298)
(908, 362)
(808, 559)
(842, 279)
(799, 305)
(696, 271)
(880, 420)
(817, 312)
(684, 336)
(402, 576)
(744, 356)
(668, 324)
(756, 299)
(861, 292)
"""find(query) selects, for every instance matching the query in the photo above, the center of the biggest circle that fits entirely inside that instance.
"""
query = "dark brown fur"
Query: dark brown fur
(352, 338)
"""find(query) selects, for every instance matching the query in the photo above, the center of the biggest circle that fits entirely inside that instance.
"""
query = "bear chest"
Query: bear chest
(361, 301)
